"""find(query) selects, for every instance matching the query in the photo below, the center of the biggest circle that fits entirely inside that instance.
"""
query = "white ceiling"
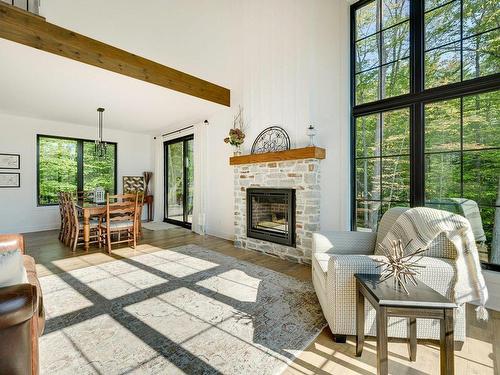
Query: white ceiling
(42, 85)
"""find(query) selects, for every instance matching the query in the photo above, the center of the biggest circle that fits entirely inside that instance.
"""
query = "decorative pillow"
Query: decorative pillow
(12, 270)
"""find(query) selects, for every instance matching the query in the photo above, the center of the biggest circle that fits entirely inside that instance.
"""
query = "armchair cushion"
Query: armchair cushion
(344, 242)
(12, 270)
(118, 224)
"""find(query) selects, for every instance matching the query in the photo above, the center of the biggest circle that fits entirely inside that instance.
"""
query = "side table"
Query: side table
(148, 199)
(390, 300)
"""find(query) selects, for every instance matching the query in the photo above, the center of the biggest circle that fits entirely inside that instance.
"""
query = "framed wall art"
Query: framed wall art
(10, 161)
(10, 180)
(133, 184)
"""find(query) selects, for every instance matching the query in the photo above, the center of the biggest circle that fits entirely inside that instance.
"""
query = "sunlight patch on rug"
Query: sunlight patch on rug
(183, 310)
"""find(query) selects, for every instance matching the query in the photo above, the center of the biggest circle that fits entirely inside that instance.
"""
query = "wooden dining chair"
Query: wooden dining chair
(60, 197)
(140, 204)
(66, 212)
(76, 231)
(121, 218)
(84, 196)
(125, 197)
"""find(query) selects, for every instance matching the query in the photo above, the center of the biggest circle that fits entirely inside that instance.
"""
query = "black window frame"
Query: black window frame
(80, 165)
(415, 100)
(184, 139)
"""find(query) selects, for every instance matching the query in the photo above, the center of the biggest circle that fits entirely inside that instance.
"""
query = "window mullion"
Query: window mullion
(417, 145)
(379, 49)
(417, 46)
(417, 142)
(461, 40)
(79, 165)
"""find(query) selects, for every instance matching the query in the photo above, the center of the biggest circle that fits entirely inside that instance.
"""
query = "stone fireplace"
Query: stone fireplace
(265, 192)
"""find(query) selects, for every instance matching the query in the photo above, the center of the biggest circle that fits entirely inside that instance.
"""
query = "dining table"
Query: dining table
(89, 209)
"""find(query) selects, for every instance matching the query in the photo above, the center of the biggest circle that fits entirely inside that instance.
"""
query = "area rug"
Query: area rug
(186, 310)
(152, 225)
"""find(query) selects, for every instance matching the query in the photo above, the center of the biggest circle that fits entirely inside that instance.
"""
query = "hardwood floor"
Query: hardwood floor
(479, 355)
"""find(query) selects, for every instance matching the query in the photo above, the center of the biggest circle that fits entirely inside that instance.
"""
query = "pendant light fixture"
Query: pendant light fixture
(100, 145)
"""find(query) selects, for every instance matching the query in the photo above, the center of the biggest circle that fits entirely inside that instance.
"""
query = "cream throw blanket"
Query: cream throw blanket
(422, 225)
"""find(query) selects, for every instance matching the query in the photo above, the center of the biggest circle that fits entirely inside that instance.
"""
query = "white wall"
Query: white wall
(294, 72)
(18, 206)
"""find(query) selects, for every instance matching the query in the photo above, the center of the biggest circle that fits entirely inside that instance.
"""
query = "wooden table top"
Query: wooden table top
(86, 204)
(94, 208)
(81, 205)
(388, 294)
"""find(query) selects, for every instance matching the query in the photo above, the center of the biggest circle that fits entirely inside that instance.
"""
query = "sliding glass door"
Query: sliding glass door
(179, 175)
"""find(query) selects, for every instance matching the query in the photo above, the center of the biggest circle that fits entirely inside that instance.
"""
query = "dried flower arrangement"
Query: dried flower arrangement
(236, 137)
(236, 134)
(401, 267)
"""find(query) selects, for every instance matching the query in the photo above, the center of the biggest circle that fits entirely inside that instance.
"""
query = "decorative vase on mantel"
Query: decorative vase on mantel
(237, 150)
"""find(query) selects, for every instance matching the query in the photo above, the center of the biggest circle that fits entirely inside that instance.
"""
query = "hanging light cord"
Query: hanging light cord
(100, 146)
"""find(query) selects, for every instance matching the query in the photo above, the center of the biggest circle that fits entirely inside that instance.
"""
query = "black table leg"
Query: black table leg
(412, 338)
(360, 321)
(447, 355)
(382, 359)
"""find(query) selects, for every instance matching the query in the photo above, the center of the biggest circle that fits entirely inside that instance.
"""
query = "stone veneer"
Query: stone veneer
(301, 175)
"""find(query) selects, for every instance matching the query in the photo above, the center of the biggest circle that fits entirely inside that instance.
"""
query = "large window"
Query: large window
(66, 164)
(426, 112)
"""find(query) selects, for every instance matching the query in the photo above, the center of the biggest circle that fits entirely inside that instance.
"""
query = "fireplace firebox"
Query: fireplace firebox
(271, 215)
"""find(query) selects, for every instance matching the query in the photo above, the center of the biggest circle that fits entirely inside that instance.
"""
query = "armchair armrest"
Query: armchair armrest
(18, 303)
(10, 242)
(350, 243)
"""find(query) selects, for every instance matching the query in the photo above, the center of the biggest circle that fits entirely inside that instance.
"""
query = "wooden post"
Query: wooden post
(447, 356)
(360, 320)
(382, 355)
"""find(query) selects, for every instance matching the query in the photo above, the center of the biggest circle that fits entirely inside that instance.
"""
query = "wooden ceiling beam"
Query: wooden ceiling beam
(31, 30)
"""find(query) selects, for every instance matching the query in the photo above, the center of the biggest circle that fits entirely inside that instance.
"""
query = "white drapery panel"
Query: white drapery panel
(200, 178)
(158, 180)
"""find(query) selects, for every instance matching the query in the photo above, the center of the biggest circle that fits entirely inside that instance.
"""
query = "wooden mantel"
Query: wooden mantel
(294, 154)
(34, 31)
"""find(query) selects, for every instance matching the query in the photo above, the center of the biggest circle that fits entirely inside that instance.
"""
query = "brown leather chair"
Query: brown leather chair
(22, 318)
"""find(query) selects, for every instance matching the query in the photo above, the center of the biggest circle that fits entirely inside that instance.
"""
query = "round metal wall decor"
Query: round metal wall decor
(272, 139)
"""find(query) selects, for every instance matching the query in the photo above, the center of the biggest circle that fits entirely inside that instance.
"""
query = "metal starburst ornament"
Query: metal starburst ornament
(403, 268)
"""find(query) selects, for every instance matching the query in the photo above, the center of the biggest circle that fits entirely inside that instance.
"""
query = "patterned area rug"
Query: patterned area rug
(153, 225)
(184, 310)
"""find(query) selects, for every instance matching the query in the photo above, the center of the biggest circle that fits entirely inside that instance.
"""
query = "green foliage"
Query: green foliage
(175, 173)
(98, 172)
(58, 168)
(462, 136)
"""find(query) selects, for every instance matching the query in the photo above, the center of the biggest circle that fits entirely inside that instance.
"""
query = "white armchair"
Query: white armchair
(337, 256)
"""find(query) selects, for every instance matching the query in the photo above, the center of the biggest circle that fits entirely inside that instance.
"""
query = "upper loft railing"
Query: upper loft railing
(32, 6)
